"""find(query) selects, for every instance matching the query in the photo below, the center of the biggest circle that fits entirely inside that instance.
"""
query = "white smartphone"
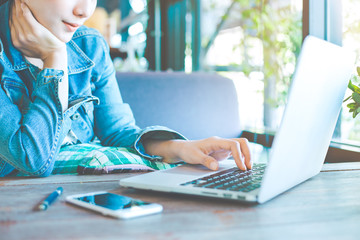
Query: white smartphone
(114, 205)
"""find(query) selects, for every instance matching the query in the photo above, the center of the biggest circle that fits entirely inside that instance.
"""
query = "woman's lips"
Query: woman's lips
(72, 27)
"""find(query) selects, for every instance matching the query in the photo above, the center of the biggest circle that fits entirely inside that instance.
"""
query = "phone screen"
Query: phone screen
(112, 201)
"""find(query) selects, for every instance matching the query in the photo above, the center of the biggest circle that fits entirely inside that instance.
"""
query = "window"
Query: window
(350, 128)
(338, 22)
(255, 43)
(239, 39)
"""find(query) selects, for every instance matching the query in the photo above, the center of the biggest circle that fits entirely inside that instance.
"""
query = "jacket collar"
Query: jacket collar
(78, 61)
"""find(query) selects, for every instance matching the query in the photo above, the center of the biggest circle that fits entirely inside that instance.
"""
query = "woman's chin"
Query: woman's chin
(66, 40)
(65, 37)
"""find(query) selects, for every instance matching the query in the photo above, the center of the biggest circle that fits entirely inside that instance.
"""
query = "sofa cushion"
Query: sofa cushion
(198, 105)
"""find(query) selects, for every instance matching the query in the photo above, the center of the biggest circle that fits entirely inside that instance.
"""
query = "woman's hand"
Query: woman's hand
(206, 152)
(30, 37)
(34, 41)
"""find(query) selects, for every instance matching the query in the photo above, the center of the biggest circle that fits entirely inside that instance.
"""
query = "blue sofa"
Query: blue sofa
(199, 105)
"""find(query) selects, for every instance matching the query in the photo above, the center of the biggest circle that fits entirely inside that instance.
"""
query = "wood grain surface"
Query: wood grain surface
(324, 207)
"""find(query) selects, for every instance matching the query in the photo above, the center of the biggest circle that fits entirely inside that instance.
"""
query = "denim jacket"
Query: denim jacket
(32, 124)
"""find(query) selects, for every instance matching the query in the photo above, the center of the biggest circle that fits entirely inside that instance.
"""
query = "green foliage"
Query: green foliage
(354, 106)
(280, 31)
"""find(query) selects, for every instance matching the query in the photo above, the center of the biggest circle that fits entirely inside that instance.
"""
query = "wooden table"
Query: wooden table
(324, 207)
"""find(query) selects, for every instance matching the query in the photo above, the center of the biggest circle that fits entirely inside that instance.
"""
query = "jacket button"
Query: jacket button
(75, 116)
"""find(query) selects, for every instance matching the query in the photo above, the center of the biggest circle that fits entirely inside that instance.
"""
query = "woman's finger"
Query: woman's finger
(19, 21)
(221, 155)
(245, 149)
(31, 24)
(195, 155)
(16, 28)
(208, 161)
(32, 38)
(237, 155)
(234, 147)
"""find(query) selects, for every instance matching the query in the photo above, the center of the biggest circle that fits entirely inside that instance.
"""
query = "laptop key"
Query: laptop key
(232, 179)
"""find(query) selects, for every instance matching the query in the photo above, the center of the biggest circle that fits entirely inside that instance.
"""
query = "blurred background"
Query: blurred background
(253, 42)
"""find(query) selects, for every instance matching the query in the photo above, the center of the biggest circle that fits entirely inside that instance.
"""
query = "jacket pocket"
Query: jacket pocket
(88, 109)
(17, 93)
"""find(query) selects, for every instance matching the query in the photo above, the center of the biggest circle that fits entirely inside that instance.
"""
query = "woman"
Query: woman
(58, 83)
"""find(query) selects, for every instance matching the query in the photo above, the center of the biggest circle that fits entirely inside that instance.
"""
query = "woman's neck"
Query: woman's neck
(36, 61)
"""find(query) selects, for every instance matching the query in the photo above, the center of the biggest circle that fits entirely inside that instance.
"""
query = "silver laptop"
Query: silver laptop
(300, 146)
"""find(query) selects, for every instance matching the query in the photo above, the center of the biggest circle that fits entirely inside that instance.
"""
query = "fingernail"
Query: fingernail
(245, 168)
(213, 166)
(243, 162)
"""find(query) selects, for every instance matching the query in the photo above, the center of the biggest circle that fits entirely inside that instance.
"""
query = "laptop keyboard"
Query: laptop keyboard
(232, 179)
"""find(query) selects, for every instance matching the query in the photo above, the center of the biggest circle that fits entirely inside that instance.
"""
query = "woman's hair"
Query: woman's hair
(11, 4)
(3, 1)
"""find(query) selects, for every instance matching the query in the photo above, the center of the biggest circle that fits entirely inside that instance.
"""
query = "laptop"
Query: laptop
(298, 152)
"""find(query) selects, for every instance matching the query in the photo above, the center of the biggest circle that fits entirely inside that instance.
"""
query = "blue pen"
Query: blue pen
(50, 199)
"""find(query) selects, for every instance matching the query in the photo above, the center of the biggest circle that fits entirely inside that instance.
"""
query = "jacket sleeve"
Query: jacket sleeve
(29, 139)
